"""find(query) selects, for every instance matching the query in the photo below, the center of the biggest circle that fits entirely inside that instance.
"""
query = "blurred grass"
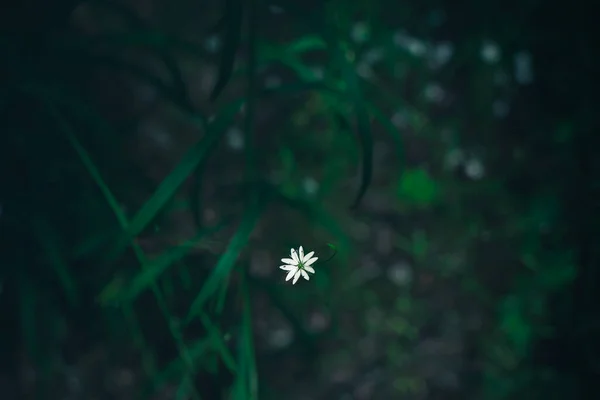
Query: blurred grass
(351, 102)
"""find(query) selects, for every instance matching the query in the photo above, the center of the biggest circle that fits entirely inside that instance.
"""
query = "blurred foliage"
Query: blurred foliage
(434, 111)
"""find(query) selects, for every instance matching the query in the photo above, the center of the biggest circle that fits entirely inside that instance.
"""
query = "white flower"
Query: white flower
(298, 265)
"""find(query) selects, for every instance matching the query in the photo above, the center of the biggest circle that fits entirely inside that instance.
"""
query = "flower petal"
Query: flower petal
(301, 253)
(308, 256)
(289, 261)
(296, 276)
(309, 269)
(287, 267)
(311, 261)
(294, 255)
(304, 274)
(291, 274)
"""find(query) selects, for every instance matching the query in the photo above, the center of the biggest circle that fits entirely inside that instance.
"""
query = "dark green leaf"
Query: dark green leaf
(154, 269)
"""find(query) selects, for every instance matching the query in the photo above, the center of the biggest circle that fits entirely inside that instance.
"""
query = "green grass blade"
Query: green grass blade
(386, 123)
(88, 163)
(313, 212)
(169, 62)
(218, 343)
(227, 261)
(363, 126)
(154, 269)
(48, 240)
(248, 342)
(234, 10)
(180, 173)
(176, 368)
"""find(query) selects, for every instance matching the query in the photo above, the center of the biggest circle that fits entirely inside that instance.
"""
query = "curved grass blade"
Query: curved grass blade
(180, 173)
(313, 212)
(299, 88)
(227, 261)
(363, 126)
(319, 21)
(151, 40)
(332, 247)
(175, 368)
(49, 242)
(247, 382)
(234, 10)
(143, 74)
(218, 343)
(154, 269)
(86, 161)
(391, 129)
(169, 62)
(127, 307)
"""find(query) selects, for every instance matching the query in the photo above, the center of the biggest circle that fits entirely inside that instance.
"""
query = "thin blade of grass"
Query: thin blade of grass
(88, 163)
(127, 307)
(172, 94)
(176, 368)
(227, 261)
(154, 269)
(313, 212)
(320, 21)
(386, 123)
(363, 126)
(48, 240)
(218, 343)
(169, 62)
(173, 181)
(248, 342)
(234, 10)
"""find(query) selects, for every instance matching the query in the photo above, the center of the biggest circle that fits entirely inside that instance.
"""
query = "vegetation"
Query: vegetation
(158, 160)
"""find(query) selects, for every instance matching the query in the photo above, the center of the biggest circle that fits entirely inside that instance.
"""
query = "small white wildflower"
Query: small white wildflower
(298, 265)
